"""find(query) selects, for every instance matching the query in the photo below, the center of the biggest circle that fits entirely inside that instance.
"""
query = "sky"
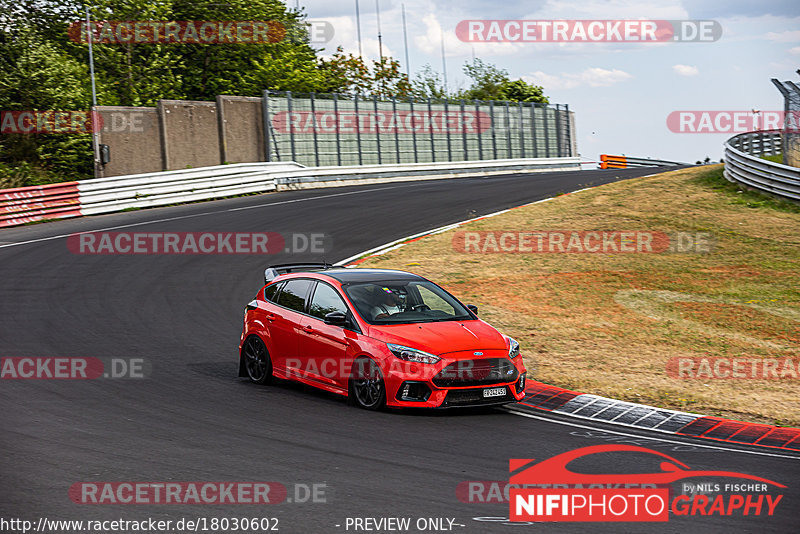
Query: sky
(621, 93)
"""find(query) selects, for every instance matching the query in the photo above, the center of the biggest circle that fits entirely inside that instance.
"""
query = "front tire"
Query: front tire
(257, 362)
(367, 389)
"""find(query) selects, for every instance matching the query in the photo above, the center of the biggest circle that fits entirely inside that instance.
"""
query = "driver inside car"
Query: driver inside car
(388, 304)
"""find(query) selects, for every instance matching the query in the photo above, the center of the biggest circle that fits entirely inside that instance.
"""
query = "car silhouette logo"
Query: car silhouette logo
(477, 353)
(554, 470)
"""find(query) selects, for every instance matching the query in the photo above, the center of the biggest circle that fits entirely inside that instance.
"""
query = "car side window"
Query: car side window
(271, 291)
(293, 294)
(325, 301)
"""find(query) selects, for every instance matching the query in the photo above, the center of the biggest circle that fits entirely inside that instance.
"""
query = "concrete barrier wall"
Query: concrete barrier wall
(241, 127)
(134, 136)
(179, 134)
(189, 133)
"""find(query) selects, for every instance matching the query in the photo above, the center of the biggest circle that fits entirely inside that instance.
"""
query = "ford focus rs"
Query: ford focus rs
(379, 337)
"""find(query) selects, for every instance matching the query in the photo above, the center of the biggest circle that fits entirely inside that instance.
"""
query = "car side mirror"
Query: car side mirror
(473, 308)
(336, 318)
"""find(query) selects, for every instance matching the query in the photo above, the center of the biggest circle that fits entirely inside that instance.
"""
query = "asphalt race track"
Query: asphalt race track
(193, 419)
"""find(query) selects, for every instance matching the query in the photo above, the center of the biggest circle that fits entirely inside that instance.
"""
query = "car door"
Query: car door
(326, 348)
(285, 322)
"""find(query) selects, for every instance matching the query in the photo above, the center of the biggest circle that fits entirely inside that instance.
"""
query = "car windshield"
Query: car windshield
(402, 302)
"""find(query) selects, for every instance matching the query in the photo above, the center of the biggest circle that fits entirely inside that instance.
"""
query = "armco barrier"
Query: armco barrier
(623, 162)
(107, 195)
(317, 177)
(743, 165)
(27, 204)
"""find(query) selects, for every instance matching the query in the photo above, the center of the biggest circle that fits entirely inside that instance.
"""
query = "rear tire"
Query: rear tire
(367, 389)
(257, 362)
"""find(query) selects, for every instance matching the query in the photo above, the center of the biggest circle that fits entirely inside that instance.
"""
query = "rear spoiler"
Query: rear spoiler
(273, 271)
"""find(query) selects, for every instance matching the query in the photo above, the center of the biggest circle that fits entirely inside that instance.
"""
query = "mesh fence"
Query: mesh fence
(330, 129)
(791, 136)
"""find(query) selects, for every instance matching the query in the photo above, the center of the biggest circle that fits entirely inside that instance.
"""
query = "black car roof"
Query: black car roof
(368, 275)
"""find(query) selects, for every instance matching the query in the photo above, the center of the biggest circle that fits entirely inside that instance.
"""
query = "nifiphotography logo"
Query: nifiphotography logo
(549, 491)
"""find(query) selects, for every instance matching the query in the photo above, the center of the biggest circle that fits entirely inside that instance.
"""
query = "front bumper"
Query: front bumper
(458, 380)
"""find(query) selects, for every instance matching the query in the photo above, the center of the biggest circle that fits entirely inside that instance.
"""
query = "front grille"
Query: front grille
(472, 397)
(466, 373)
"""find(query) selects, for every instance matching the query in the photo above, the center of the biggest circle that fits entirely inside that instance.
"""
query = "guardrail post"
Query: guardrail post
(464, 131)
(430, 124)
(396, 128)
(447, 127)
(521, 131)
(558, 130)
(291, 129)
(267, 125)
(338, 139)
(314, 125)
(377, 129)
(494, 133)
(358, 130)
(478, 129)
(533, 130)
(413, 128)
(509, 154)
(546, 133)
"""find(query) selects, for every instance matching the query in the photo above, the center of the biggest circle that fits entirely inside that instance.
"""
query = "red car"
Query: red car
(380, 337)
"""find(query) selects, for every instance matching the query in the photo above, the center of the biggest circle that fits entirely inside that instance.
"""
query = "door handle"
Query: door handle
(308, 328)
(270, 317)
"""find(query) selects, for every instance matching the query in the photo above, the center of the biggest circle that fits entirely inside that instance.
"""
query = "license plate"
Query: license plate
(494, 392)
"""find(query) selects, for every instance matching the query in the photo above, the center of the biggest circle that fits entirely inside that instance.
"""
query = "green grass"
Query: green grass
(776, 158)
(738, 194)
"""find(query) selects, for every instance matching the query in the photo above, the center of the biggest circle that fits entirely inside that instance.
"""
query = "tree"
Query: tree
(428, 84)
(492, 83)
(349, 74)
(521, 91)
(487, 81)
(37, 75)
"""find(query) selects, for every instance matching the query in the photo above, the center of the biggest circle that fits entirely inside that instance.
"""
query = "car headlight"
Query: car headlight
(412, 355)
(513, 348)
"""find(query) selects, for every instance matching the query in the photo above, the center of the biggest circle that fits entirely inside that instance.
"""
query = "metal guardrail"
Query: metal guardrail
(106, 195)
(623, 162)
(743, 164)
(27, 204)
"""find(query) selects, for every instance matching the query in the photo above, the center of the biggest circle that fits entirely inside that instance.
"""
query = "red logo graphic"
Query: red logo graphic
(597, 503)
